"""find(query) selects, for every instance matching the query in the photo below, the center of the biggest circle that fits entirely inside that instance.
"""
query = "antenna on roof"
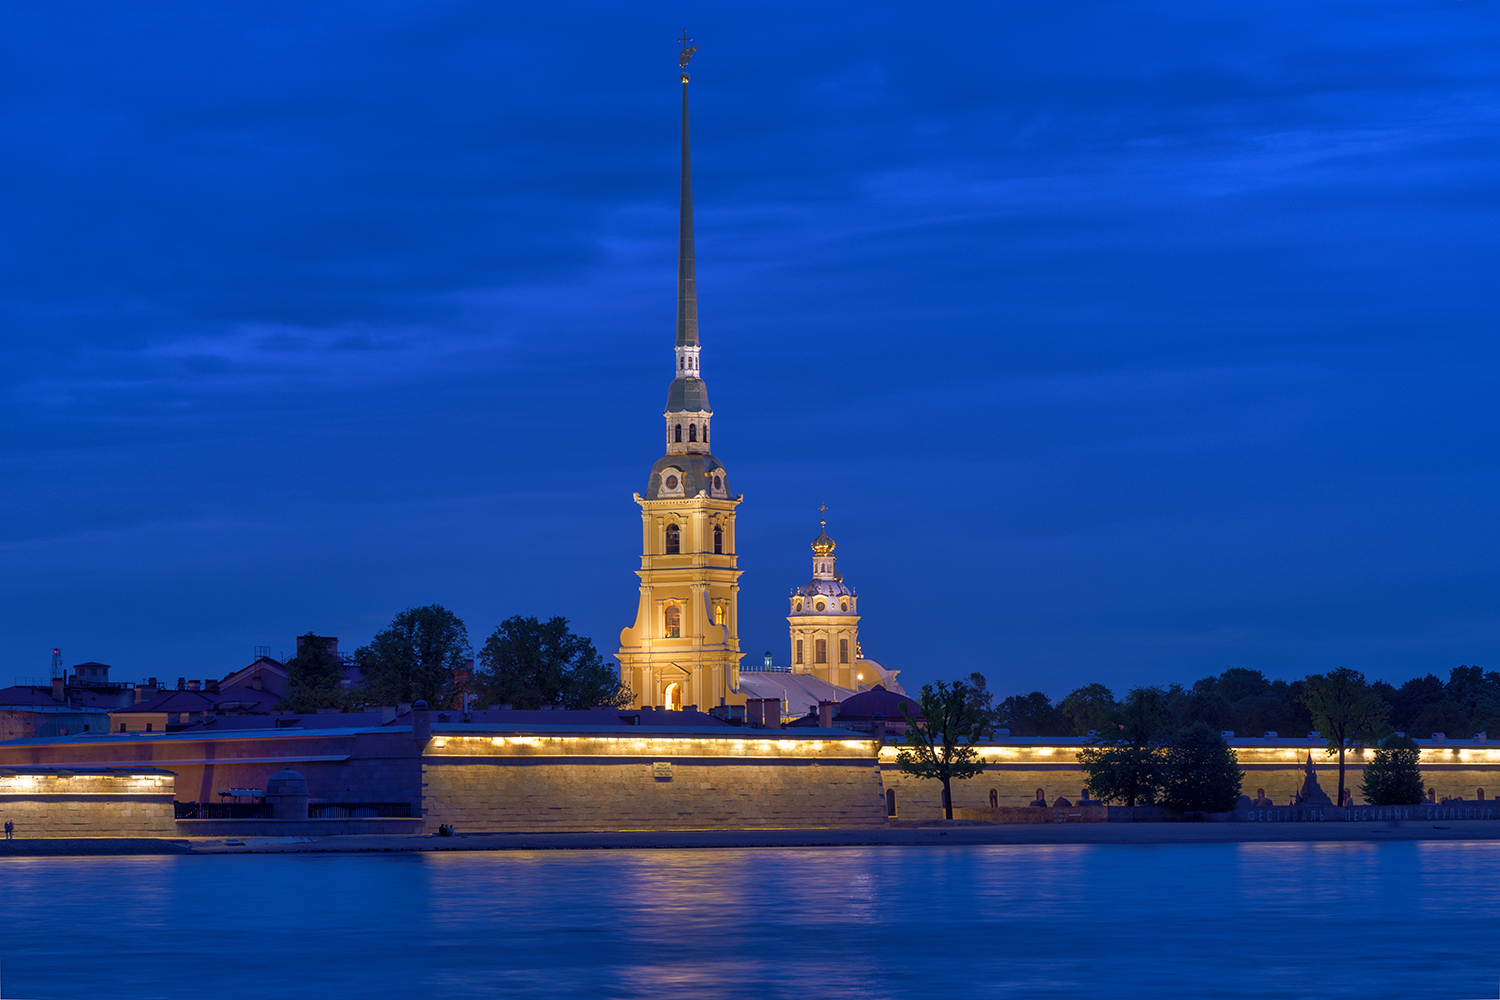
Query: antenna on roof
(56, 663)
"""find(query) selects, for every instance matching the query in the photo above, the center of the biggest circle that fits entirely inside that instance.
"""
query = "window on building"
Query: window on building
(674, 622)
(890, 802)
(718, 540)
(799, 660)
(797, 604)
(150, 728)
(843, 650)
(674, 540)
(122, 727)
(820, 650)
(718, 614)
(692, 432)
(679, 433)
(705, 434)
(843, 604)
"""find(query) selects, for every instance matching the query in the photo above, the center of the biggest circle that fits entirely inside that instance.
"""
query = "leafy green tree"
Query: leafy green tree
(1346, 711)
(1200, 771)
(941, 743)
(416, 657)
(314, 677)
(1146, 715)
(1118, 770)
(1032, 715)
(1392, 778)
(528, 663)
(1091, 707)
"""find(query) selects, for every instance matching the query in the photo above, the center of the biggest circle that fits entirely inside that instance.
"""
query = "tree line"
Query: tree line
(1245, 702)
(425, 655)
(1165, 745)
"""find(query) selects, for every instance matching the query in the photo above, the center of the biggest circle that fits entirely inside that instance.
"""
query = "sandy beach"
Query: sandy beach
(936, 835)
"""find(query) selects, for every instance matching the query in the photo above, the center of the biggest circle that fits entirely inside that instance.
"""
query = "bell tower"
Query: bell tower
(684, 648)
(824, 621)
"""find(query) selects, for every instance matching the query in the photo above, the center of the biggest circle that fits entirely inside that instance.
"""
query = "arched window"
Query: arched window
(820, 650)
(799, 655)
(718, 540)
(679, 434)
(718, 614)
(797, 606)
(843, 650)
(674, 540)
(843, 604)
(692, 432)
(674, 622)
(705, 434)
(673, 698)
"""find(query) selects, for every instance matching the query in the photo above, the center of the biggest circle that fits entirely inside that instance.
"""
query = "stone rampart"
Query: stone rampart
(1017, 767)
(597, 782)
(43, 802)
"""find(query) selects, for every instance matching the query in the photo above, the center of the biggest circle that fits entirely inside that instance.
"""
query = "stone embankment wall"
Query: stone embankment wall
(1016, 769)
(649, 782)
(87, 805)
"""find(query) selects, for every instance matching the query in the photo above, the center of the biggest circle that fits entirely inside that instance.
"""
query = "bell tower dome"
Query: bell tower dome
(824, 620)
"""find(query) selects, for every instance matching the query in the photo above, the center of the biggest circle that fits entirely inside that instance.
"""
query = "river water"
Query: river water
(1407, 920)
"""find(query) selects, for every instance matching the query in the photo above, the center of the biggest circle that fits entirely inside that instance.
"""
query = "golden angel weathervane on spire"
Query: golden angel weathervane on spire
(687, 53)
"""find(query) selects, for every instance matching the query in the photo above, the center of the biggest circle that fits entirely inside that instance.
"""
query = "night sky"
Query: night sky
(1124, 341)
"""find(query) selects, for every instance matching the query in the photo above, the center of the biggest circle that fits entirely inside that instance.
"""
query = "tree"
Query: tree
(1117, 770)
(1125, 762)
(1392, 777)
(415, 658)
(314, 677)
(1031, 715)
(529, 664)
(1200, 771)
(1091, 707)
(1346, 711)
(941, 743)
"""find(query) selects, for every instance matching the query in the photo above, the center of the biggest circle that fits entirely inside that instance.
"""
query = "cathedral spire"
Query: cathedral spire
(687, 279)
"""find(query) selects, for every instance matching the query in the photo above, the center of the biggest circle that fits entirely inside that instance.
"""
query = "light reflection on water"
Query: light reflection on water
(1405, 920)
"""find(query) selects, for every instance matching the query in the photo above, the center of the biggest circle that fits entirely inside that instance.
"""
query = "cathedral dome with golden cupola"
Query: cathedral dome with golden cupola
(824, 619)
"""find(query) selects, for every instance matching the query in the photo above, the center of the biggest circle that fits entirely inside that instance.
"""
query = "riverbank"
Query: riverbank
(935, 835)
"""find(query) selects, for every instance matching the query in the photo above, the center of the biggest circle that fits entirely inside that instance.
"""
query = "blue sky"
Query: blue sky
(1124, 341)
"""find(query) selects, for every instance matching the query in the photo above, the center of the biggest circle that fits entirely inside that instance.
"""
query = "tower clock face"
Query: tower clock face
(821, 605)
(671, 482)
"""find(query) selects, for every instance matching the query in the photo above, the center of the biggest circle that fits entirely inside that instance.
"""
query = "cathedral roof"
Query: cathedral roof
(696, 472)
(688, 395)
(877, 703)
(826, 588)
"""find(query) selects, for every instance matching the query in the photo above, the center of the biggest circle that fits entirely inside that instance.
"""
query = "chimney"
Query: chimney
(140, 694)
(825, 714)
(193, 685)
(182, 683)
(421, 724)
(57, 689)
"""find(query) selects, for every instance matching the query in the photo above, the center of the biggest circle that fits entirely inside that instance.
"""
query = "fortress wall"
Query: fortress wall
(339, 767)
(87, 805)
(1016, 771)
(480, 784)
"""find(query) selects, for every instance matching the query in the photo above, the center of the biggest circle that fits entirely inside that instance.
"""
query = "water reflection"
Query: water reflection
(1404, 920)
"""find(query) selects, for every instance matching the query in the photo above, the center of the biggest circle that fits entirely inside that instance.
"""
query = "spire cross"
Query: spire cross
(822, 509)
(687, 53)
